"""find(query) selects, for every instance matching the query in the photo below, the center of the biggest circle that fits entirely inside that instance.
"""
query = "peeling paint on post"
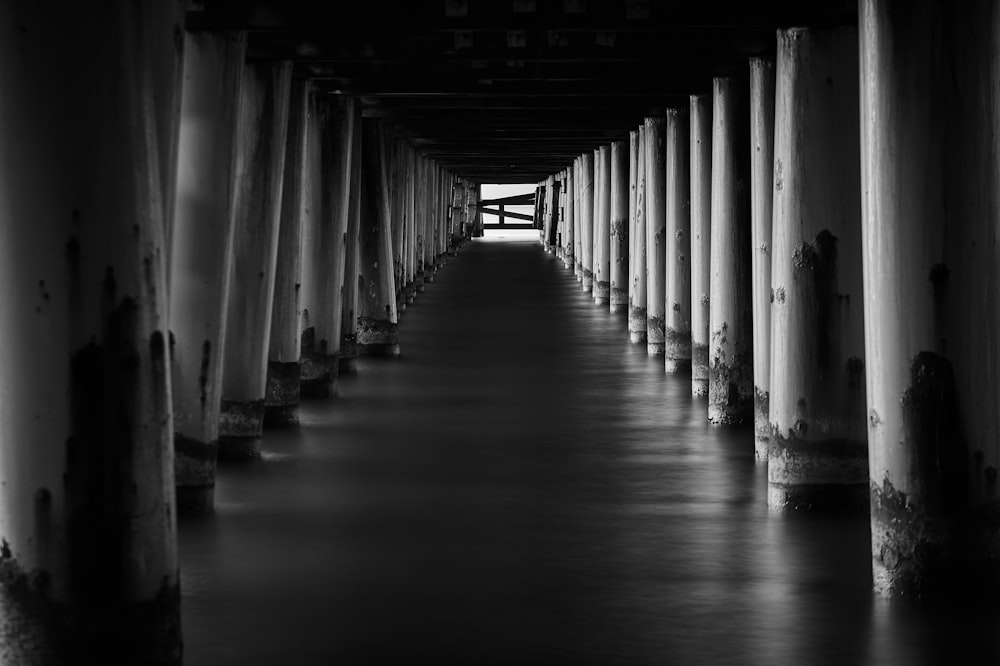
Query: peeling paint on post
(201, 255)
(818, 456)
(761, 190)
(587, 219)
(637, 313)
(281, 399)
(602, 225)
(656, 231)
(730, 390)
(929, 211)
(257, 208)
(88, 537)
(677, 308)
(701, 246)
(378, 333)
(619, 227)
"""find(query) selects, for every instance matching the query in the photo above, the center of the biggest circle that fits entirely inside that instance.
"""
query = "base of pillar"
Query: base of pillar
(195, 500)
(386, 350)
(239, 449)
(730, 391)
(619, 300)
(826, 498)
(347, 361)
(637, 325)
(40, 631)
(602, 292)
(588, 281)
(378, 337)
(241, 418)
(319, 375)
(699, 369)
(194, 474)
(678, 351)
(656, 344)
(282, 388)
(824, 475)
(761, 423)
(283, 415)
(676, 366)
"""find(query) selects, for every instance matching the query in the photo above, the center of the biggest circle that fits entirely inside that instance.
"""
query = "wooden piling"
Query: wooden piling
(637, 313)
(587, 218)
(730, 391)
(201, 255)
(88, 537)
(281, 399)
(656, 242)
(347, 363)
(260, 169)
(602, 225)
(701, 235)
(619, 190)
(818, 456)
(761, 194)
(378, 332)
(677, 308)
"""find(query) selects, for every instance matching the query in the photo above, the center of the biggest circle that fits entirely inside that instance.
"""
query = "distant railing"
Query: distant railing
(502, 215)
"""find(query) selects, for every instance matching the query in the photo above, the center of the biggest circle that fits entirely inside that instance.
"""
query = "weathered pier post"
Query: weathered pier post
(818, 455)
(761, 195)
(325, 244)
(619, 177)
(88, 558)
(410, 244)
(656, 229)
(587, 218)
(201, 255)
(701, 235)
(602, 225)
(677, 336)
(569, 239)
(930, 207)
(637, 312)
(348, 361)
(260, 167)
(430, 228)
(730, 391)
(281, 399)
(633, 146)
(378, 332)
(396, 169)
(578, 219)
(548, 215)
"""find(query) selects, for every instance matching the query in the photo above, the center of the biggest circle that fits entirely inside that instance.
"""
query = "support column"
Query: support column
(578, 220)
(201, 255)
(257, 209)
(618, 176)
(818, 454)
(430, 235)
(656, 242)
(678, 287)
(761, 192)
(348, 362)
(548, 215)
(88, 562)
(730, 391)
(587, 218)
(701, 246)
(637, 314)
(397, 207)
(410, 252)
(602, 225)
(378, 333)
(281, 399)
(931, 203)
(325, 243)
(569, 240)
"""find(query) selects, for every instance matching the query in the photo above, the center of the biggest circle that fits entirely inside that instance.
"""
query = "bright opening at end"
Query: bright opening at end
(513, 225)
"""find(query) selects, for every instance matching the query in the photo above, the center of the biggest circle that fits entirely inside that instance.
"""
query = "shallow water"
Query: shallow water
(525, 486)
